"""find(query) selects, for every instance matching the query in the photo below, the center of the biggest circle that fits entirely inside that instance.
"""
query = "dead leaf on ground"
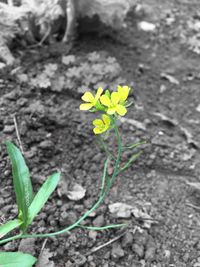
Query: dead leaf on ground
(194, 185)
(44, 259)
(170, 78)
(165, 118)
(189, 137)
(123, 210)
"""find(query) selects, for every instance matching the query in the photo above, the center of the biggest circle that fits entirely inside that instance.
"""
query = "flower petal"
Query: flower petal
(115, 97)
(98, 123)
(106, 120)
(121, 110)
(88, 97)
(123, 92)
(97, 130)
(111, 111)
(98, 94)
(105, 100)
(86, 106)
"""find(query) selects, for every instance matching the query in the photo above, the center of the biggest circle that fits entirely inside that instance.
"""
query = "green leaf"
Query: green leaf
(107, 92)
(96, 228)
(131, 160)
(134, 145)
(42, 196)
(22, 182)
(9, 226)
(16, 259)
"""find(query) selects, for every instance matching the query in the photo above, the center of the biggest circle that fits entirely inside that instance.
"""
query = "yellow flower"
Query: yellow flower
(90, 99)
(114, 103)
(123, 92)
(101, 126)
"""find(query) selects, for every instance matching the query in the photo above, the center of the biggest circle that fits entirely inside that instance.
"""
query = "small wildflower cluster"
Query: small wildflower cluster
(110, 104)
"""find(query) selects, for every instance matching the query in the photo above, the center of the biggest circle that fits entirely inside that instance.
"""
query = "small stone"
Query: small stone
(138, 249)
(69, 264)
(150, 251)
(76, 193)
(97, 158)
(92, 235)
(167, 254)
(27, 246)
(141, 238)
(117, 252)
(79, 259)
(8, 129)
(12, 95)
(2, 65)
(127, 239)
(99, 221)
(46, 144)
(106, 256)
(90, 258)
(120, 210)
(11, 246)
(22, 101)
(67, 218)
(163, 88)
(186, 257)
(92, 264)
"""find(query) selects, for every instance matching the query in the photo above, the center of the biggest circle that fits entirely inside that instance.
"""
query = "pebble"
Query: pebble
(138, 249)
(11, 246)
(22, 101)
(127, 239)
(79, 259)
(150, 251)
(46, 144)
(106, 256)
(27, 246)
(69, 264)
(93, 235)
(99, 221)
(2, 65)
(67, 218)
(141, 238)
(8, 129)
(13, 95)
(97, 158)
(117, 252)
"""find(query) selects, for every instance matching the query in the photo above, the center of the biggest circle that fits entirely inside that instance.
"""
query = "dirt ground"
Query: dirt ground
(44, 96)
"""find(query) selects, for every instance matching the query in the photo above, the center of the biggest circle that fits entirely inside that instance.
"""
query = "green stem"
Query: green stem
(119, 153)
(95, 228)
(102, 195)
(105, 148)
(66, 230)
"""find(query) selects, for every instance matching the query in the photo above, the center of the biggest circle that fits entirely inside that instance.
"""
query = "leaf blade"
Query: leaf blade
(16, 259)
(42, 195)
(21, 179)
(9, 226)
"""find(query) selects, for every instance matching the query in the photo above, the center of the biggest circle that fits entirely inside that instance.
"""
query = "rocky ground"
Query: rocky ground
(43, 95)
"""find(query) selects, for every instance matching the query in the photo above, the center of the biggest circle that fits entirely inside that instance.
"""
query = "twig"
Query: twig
(41, 251)
(192, 206)
(18, 136)
(106, 244)
(43, 245)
